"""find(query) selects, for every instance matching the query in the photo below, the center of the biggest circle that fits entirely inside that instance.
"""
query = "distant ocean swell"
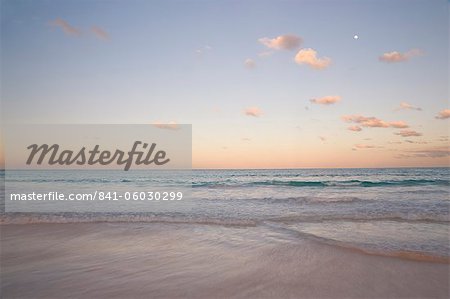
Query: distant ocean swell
(82, 180)
(31, 218)
(349, 183)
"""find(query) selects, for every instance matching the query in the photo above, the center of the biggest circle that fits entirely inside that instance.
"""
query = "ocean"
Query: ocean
(398, 212)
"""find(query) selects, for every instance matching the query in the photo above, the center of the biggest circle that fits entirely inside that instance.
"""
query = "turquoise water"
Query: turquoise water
(380, 210)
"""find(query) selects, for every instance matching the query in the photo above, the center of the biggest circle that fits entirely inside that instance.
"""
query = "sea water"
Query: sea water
(377, 210)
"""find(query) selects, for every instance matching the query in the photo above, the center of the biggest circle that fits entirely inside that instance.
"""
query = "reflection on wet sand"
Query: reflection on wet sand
(134, 260)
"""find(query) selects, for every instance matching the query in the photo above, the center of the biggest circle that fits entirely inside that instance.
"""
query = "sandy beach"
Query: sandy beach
(163, 260)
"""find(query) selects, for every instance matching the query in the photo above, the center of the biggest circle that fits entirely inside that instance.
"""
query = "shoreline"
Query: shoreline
(171, 260)
(399, 254)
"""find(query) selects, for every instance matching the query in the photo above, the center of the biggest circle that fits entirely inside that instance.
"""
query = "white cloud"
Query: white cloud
(203, 50)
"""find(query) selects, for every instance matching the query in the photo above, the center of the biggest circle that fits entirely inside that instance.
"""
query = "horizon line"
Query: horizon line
(294, 168)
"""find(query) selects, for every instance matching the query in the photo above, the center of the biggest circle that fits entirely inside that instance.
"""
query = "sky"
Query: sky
(265, 84)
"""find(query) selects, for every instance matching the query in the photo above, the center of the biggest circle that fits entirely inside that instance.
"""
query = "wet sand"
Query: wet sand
(151, 260)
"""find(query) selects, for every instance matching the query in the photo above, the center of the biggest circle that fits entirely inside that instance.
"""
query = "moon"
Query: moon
(355, 36)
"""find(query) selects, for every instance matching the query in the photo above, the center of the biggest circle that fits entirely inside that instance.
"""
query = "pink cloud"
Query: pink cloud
(365, 146)
(395, 56)
(66, 27)
(444, 114)
(328, 100)
(100, 33)
(282, 42)
(354, 128)
(416, 142)
(406, 106)
(166, 126)
(434, 152)
(373, 122)
(265, 54)
(398, 124)
(253, 111)
(250, 63)
(408, 133)
(309, 57)
(323, 138)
